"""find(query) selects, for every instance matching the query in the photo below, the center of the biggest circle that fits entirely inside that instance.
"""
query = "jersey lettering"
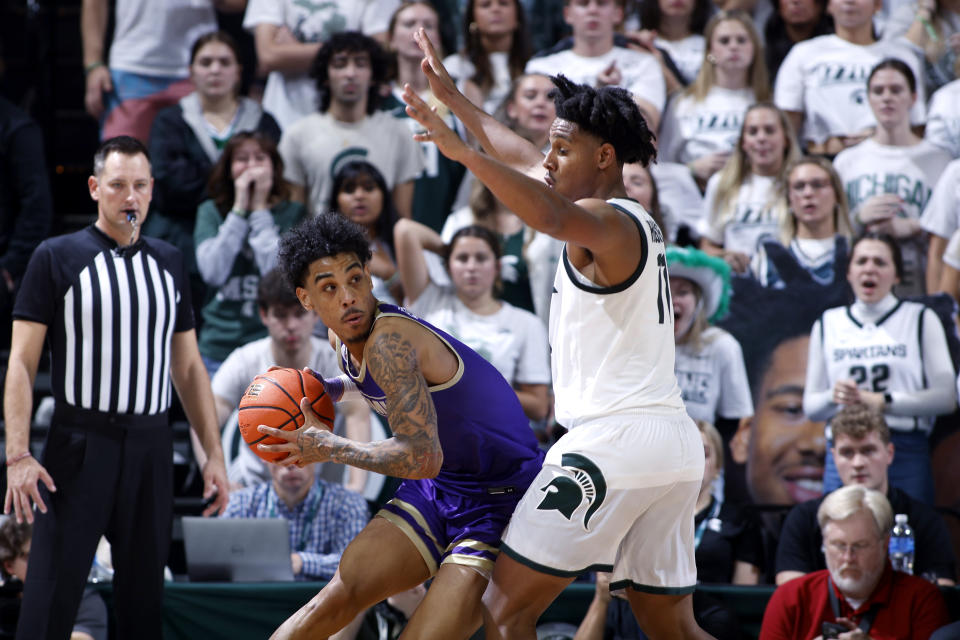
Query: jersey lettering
(870, 351)
(834, 73)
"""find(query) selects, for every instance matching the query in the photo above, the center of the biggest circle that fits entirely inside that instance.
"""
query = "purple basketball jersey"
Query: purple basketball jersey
(488, 446)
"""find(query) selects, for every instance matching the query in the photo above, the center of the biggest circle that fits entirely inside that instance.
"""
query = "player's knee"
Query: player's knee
(504, 612)
(349, 597)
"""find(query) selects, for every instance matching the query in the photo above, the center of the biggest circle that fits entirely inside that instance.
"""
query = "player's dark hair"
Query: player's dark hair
(608, 113)
(348, 176)
(322, 236)
(886, 239)
(275, 291)
(895, 65)
(350, 42)
(124, 145)
(13, 538)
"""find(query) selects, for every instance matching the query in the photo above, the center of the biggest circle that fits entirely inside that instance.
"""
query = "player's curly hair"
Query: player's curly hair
(322, 236)
(608, 113)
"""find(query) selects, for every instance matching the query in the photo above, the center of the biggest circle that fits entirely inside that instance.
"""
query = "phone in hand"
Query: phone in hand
(831, 630)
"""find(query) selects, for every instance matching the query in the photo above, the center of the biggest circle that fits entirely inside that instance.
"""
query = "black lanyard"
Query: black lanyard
(865, 622)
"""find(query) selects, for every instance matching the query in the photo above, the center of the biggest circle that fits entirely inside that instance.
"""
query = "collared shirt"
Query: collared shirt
(908, 608)
(321, 526)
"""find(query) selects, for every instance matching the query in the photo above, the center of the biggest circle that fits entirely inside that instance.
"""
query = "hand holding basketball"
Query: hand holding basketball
(310, 443)
(283, 399)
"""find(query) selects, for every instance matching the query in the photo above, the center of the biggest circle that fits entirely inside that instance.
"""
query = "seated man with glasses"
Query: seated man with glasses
(858, 596)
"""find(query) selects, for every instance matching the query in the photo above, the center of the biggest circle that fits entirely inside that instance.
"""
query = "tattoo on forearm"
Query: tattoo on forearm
(415, 445)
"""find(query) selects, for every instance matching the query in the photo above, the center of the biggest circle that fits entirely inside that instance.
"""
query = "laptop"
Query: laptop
(237, 549)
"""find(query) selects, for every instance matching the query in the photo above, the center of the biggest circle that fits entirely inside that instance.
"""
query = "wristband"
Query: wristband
(336, 387)
(93, 65)
(888, 398)
(17, 458)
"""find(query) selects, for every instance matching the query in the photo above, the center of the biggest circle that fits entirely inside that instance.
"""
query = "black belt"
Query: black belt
(112, 425)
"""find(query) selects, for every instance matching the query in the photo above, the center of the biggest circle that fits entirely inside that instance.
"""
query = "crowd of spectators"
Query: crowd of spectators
(808, 179)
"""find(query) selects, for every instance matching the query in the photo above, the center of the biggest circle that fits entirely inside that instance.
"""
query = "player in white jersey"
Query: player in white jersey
(887, 353)
(618, 491)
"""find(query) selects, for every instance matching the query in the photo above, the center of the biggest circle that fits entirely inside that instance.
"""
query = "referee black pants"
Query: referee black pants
(114, 476)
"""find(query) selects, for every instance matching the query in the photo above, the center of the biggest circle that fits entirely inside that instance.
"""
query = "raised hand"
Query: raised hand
(880, 208)
(262, 180)
(435, 130)
(241, 192)
(610, 76)
(441, 84)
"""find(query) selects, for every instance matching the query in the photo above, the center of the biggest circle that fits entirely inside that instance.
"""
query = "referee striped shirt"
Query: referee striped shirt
(111, 313)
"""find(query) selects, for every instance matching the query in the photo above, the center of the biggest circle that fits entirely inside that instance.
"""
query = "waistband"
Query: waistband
(110, 424)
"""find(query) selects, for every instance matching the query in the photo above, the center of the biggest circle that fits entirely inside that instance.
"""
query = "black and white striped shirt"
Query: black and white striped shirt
(110, 314)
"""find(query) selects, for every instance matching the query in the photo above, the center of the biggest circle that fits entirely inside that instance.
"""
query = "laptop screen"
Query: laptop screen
(237, 549)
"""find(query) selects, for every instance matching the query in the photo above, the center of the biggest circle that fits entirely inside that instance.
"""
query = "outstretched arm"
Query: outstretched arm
(591, 223)
(496, 139)
(391, 356)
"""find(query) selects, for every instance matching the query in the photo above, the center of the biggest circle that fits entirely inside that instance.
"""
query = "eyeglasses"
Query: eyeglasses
(816, 185)
(841, 548)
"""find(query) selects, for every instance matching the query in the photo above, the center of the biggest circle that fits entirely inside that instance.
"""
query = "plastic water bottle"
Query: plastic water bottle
(902, 545)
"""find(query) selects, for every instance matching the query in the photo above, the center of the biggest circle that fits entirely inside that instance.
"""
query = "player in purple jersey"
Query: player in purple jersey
(460, 441)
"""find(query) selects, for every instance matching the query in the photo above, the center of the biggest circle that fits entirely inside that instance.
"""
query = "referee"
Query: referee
(115, 309)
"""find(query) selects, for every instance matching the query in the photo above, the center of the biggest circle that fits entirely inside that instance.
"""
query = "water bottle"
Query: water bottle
(902, 545)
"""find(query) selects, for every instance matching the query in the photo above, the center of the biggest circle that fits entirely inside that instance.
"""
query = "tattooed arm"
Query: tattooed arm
(393, 358)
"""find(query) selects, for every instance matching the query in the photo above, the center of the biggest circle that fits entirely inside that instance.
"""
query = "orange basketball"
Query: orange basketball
(273, 399)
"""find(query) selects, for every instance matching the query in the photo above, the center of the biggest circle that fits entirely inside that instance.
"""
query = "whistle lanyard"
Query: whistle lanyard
(310, 507)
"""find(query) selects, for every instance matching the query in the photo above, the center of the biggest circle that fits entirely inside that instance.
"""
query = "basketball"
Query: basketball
(273, 399)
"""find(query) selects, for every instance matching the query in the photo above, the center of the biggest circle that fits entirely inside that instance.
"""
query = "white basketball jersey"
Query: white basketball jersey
(612, 347)
(880, 357)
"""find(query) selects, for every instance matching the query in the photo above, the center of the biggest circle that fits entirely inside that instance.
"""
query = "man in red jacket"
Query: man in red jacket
(858, 596)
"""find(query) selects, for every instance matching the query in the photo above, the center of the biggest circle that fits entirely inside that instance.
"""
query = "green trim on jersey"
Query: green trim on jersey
(550, 570)
(645, 588)
(617, 288)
